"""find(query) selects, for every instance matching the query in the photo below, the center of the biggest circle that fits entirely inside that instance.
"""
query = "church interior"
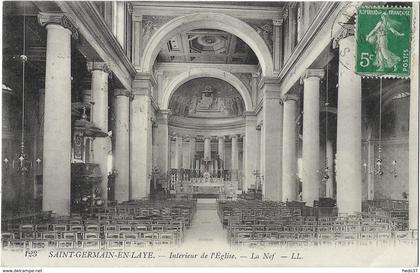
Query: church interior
(140, 124)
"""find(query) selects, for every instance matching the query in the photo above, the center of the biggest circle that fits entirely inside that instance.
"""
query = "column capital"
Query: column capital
(272, 95)
(345, 31)
(221, 137)
(178, 135)
(250, 113)
(122, 92)
(232, 136)
(143, 84)
(102, 66)
(278, 22)
(165, 112)
(269, 82)
(312, 73)
(62, 19)
(130, 8)
(288, 97)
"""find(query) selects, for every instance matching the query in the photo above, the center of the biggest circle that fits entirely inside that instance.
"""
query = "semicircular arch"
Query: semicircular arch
(212, 73)
(213, 21)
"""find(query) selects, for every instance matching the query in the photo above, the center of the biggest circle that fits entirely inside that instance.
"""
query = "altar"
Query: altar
(205, 185)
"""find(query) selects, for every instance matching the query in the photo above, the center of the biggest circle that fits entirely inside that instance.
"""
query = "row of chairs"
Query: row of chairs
(119, 226)
(322, 239)
(112, 240)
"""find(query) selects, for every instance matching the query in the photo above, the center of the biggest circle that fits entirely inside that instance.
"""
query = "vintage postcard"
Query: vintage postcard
(188, 133)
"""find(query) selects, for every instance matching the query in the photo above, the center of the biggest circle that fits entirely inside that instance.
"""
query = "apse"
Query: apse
(207, 98)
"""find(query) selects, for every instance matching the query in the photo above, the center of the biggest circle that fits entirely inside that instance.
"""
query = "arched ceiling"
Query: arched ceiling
(207, 98)
(206, 46)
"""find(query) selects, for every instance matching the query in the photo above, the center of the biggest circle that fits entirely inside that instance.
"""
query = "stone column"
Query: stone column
(234, 158)
(310, 143)
(186, 153)
(122, 144)
(57, 115)
(244, 144)
(329, 189)
(289, 149)
(349, 128)
(207, 148)
(258, 154)
(141, 136)
(272, 135)
(178, 152)
(192, 152)
(221, 150)
(163, 144)
(99, 115)
(413, 138)
(250, 149)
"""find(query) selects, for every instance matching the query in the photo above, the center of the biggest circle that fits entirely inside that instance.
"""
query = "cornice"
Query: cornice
(250, 114)
(268, 81)
(142, 84)
(199, 125)
(232, 68)
(96, 32)
(150, 77)
(181, 9)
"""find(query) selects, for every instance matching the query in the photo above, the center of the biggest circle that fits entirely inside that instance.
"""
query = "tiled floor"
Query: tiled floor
(206, 230)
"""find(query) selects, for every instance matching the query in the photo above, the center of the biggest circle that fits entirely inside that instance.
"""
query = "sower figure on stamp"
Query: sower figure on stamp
(378, 36)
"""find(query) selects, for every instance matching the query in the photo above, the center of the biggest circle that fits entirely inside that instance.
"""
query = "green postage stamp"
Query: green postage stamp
(383, 41)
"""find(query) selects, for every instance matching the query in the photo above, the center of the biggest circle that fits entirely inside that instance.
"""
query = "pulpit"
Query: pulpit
(85, 186)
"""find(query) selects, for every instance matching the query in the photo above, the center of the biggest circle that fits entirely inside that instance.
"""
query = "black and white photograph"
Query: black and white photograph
(209, 134)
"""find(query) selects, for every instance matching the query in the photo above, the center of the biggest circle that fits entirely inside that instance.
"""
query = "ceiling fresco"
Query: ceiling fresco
(207, 98)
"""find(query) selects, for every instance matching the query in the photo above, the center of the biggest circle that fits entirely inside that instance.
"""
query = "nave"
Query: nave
(164, 129)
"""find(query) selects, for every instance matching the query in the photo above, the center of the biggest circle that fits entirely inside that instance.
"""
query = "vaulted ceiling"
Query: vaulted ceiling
(206, 46)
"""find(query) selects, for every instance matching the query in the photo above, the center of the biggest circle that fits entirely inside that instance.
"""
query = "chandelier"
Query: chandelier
(325, 174)
(378, 168)
(22, 164)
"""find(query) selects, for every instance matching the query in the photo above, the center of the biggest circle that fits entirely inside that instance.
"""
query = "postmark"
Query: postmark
(383, 41)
